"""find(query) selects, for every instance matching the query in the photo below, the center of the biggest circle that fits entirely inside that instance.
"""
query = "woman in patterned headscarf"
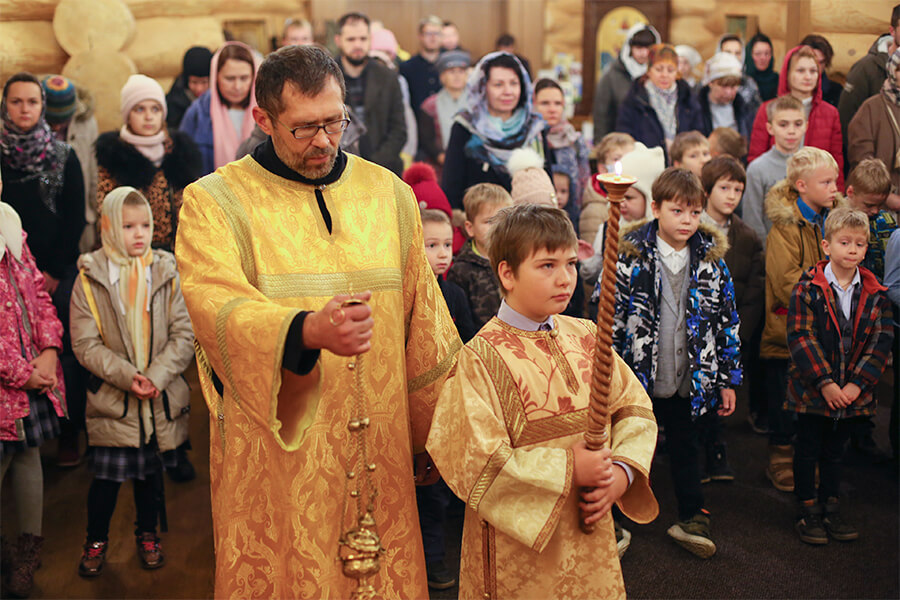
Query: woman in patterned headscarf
(42, 179)
(498, 119)
(44, 184)
(874, 132)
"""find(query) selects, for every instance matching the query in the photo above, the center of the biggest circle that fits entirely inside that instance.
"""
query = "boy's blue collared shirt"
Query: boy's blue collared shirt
(511, 317)
(812, 216)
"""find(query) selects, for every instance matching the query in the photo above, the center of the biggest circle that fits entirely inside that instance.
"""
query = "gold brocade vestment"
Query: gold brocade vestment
(253, 251)
(502, 436)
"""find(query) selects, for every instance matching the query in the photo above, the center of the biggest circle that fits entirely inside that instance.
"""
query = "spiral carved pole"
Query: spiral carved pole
(597, 433)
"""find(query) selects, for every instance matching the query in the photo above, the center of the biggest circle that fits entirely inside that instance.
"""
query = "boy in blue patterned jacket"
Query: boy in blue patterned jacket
(676, 325)
(839, 334)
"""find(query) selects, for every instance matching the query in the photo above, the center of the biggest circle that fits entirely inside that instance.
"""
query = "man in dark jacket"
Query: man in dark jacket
(868, 74)
(616, 82)
(720, 103)
(420, 70)
(189, 85)
(373, 92)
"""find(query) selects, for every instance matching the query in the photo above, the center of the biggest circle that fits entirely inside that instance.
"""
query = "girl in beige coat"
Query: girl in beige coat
(131, 330)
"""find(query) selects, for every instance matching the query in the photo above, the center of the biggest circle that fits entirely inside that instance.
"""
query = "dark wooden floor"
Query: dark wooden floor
(188, 545)
(759, 556)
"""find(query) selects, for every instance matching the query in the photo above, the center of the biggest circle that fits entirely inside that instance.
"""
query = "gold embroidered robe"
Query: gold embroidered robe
(253, 251)
(501, 437)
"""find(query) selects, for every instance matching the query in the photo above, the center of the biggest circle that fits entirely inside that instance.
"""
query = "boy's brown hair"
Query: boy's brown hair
(519, 231)
(677, 184)
(871, 178)
(786, 102)
(684, 141)
(483, 194)
(609, 142)
(845, 217)
(727, 142)
(721, 167)
(432, 215)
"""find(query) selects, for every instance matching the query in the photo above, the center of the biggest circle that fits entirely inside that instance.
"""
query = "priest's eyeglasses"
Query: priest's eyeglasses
(307, 131)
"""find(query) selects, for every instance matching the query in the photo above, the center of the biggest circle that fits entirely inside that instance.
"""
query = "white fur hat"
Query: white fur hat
(721, 65)
(645, 164)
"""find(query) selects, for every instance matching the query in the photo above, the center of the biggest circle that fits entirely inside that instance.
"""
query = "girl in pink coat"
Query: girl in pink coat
(31, 392)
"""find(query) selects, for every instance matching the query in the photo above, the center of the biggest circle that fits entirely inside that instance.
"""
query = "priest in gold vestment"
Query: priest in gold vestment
(503, 435)
(270, 248)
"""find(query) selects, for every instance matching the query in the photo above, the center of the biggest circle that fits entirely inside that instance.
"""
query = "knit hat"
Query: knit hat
(385, 41)
(196, 62)
(423, 181)
(61, 98)
(137, 89)
(721, 65)
(690, 53)
(530, 182)
(644, 164)
(452, 59)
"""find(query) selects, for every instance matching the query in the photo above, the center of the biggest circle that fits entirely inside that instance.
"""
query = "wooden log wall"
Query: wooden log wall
(154, 45)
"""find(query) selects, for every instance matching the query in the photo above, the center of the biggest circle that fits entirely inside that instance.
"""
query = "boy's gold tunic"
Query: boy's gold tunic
(502, 436)
(253, 251)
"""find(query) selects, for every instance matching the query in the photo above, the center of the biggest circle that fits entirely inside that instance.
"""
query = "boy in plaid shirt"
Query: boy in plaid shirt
(839, 334)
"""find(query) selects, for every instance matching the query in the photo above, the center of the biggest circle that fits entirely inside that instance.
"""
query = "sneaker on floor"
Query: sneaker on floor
(809, 526)
(780, 469)
(149, 551)
(693, 535)
(835, 525)
(92, 559)
(717, 467)
(623, 538)
(439, 576)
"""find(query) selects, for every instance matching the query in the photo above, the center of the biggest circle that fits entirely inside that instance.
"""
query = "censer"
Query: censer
(360, 546)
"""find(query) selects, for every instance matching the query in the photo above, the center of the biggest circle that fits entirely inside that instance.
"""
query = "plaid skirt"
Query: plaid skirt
(41, 424)
(122, 464)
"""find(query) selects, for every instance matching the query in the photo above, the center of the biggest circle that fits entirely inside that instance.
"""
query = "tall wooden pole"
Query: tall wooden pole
(597, 434)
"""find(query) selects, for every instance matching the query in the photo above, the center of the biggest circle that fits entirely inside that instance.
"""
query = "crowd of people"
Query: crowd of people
(324, 233)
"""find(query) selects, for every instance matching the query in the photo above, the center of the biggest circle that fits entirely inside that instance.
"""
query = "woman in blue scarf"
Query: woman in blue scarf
(498, 119)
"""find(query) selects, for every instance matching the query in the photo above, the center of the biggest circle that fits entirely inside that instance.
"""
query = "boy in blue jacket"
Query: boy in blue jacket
(676, 325)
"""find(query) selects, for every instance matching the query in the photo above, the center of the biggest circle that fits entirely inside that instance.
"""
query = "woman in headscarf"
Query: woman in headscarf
(44, 184)
(660, 104)
(874, 132)
(498, 119)
(758, 62)
(145, 155)
(568, 154)
(222, 118)
(42, 180)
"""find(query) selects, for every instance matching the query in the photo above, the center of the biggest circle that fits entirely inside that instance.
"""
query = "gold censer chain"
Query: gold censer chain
(360, 546)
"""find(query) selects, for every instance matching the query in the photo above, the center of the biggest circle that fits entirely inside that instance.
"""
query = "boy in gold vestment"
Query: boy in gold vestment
(507, 430)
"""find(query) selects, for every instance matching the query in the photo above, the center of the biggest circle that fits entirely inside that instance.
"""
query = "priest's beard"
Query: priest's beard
(300, 162)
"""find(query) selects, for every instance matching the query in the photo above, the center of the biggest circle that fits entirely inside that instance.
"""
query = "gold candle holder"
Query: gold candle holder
(597, 434)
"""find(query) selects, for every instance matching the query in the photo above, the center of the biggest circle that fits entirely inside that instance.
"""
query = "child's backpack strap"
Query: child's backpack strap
(92, 302)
